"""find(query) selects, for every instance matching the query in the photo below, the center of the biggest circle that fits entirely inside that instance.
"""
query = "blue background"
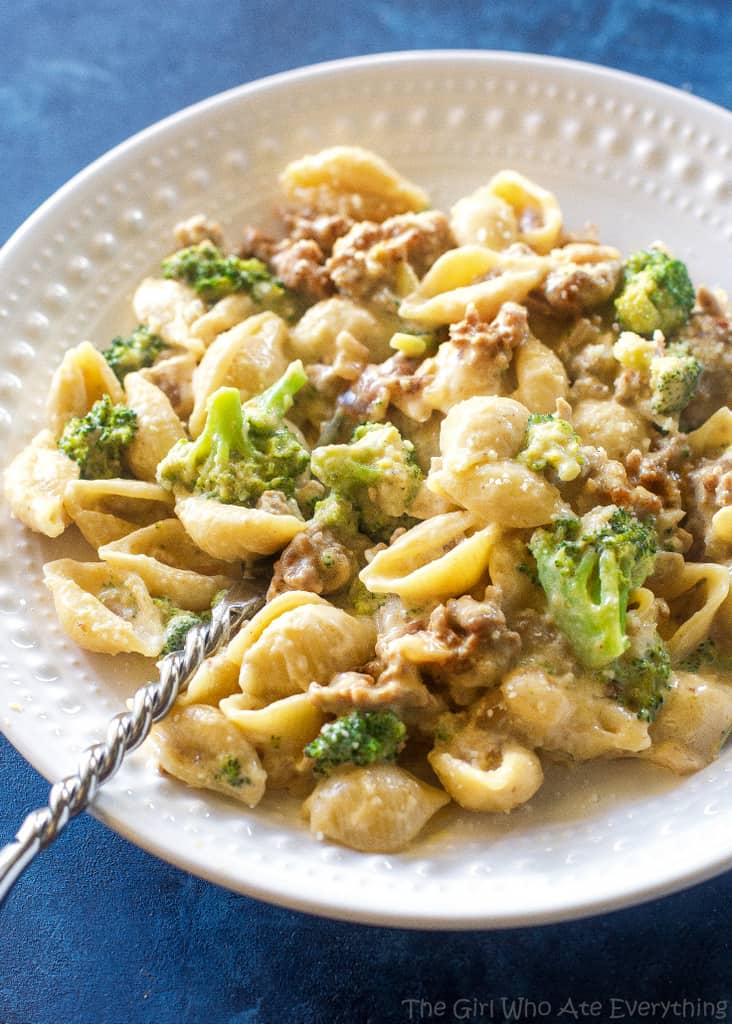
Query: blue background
(99, 931)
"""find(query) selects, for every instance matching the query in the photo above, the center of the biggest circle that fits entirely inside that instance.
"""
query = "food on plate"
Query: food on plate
(481, 467)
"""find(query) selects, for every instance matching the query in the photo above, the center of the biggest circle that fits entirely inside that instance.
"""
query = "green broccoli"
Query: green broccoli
(266, 411)
(178, 629)
(96, 441)
(241, 452)
(140, 349)
(336, 513)
(377, 472)
(215, 274)
(642, 675)
(360, 738)
(674, 379)
(657, 293)
(587, 568)
(361, 601)
(230, 772)
(178, 622)
(552, 443)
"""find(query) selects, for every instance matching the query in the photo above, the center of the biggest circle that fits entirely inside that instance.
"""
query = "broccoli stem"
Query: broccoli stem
(278, 399)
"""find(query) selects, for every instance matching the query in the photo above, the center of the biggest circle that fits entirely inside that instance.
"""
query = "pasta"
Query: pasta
(250, 356)
(83, 377)
(170, 564)
(482, 470)
(105, 510)
(101, 610)
(479, 442)
(229, 532)
(170, 309)
(35, 484)
(158, 426)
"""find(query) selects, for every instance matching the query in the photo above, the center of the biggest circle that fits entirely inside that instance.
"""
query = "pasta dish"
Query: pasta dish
(480, 465)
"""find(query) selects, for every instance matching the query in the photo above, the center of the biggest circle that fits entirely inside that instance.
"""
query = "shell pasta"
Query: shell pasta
(481, 467)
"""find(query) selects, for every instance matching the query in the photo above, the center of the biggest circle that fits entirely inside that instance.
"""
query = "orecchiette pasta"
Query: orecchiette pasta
(200, 746)
(483, 473)
(83, 377)
(314, 337)
(279, 732)
(351, 180)
(170, 309)
(104, 610)
(304, 645)
(158, 426)
(505, 561)
(692, 725)
(218, 677)
(537, 213)
(509, 209)
(714, 434)
(381, 808)
(249, 356)
(174, 376)
(541, 377)
(480, 440)
(441, 557)
(510, 776)
(475, 276)
(483, 218)
(695, 591)
(722, 524)
(105, 510)
(35, 483)
(553, 712)
(611, 426)
(225, 314)
(170, 564)
(230, 532)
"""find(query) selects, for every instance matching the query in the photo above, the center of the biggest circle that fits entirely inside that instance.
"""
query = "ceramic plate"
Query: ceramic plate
(642, 162)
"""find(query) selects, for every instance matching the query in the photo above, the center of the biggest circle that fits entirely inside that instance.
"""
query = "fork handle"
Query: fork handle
(125, 732)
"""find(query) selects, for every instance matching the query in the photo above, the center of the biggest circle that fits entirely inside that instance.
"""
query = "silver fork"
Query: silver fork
(125, 732)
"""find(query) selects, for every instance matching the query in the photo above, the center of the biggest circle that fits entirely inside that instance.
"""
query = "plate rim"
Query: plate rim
(337, 907)
(385, 58)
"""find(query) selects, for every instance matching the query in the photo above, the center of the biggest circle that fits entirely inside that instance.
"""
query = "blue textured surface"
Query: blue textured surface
(100, 931)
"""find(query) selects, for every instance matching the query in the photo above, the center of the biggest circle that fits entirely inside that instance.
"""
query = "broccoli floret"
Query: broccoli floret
(657, 293)
(229, 771)
(360, 738)
(96, 441)
(552, 443)
(674, 379)
(140, 349)
(336, 513)
(673, 373)
(587, 568)
(642, 677)
(361, 600)
(377, 472)
(266, 412)
(178, 629)
(241, 452)
(178, 622)
(215, 274)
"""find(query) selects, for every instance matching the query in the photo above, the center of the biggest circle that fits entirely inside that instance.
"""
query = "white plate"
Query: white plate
(640, 160)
